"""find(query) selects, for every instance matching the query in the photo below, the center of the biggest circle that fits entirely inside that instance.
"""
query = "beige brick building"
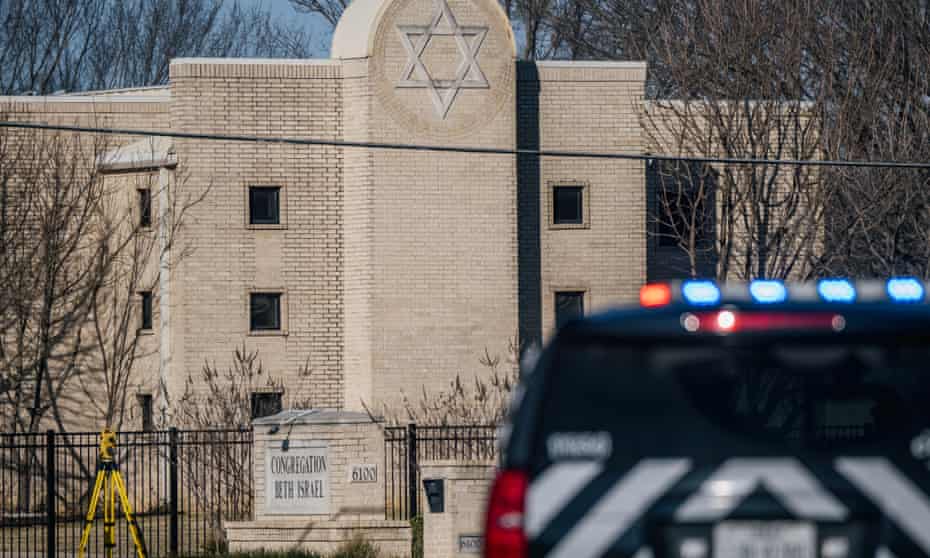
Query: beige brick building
(384, 270)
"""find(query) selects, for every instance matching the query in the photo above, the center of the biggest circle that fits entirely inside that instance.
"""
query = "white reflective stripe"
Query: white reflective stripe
(897, 497)
(623, 504)
(883, 552)
(786, 479)
(553, 489)
(643, 552)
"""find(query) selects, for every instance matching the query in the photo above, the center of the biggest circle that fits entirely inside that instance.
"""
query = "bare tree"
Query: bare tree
(740, 95)
(329, 10)
(222, 396)
(60, 255)
(879, 109)
(44, 43)
(530, 19)
(72, 45)
(57, 247)
(859, 70)
(149, 33)
(150, 245)
(75, 255)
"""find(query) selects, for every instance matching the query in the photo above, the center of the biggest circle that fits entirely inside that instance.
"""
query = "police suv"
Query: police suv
(758, 420)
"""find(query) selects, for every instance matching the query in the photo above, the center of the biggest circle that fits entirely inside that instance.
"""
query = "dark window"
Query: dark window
(567, 205)
(265, 311)
(568, 306)
(684, 203)
(264, 206)
(146, 322)
(266, 403)
(146, 411)
(145, 207)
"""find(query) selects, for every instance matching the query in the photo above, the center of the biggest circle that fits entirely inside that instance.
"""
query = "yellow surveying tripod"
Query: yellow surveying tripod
(110, 482)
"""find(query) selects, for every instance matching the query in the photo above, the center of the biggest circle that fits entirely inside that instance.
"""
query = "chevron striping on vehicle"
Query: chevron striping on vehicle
(896, 495)
(786, 479)
(553, 489)
(622, 505)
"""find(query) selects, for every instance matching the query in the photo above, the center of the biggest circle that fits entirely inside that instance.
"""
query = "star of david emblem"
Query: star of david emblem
(468, 75)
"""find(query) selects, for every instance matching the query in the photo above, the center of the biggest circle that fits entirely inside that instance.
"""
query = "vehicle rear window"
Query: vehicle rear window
(693, 400)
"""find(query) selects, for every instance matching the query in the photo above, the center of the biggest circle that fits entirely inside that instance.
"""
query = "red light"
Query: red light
(657, 294)
(727, 321)
(503, 532)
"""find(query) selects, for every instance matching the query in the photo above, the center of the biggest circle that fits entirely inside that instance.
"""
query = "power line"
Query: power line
(555, 153)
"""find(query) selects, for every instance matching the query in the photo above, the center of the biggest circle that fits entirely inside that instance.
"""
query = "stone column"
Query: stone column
(458, 530)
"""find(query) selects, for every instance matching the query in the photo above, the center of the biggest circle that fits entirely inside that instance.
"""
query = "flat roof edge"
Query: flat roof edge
(582, 71)
(88, 98)
(119, 90)
(606, 64)
(267, 61)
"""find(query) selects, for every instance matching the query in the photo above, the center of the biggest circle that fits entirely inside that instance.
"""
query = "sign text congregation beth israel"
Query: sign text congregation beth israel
(297, 479)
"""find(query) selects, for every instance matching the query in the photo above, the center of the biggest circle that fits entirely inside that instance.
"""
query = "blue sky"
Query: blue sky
(318, 27)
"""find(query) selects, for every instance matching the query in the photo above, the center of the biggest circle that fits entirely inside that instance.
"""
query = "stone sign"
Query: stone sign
(363, 473)
(297, 480)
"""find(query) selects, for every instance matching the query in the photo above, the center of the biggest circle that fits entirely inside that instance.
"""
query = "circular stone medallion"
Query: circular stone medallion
(443, 67)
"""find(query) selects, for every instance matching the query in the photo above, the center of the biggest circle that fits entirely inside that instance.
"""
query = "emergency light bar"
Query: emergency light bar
(702, 292)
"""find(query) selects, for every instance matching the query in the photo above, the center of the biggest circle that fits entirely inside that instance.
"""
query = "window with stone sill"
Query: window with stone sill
(145, 322)
(264, 312)
(145, 207)
(146, 411)
(264, 205)
(568, 206)
(266, 403)
(569, 305)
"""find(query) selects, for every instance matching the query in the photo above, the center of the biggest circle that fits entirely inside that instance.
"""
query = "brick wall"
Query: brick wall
(397, 268)
(228, 259)
(443, 225)
(358, 235)
(586, 106)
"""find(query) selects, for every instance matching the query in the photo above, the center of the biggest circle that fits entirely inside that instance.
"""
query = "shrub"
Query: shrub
(357, 548)
(483, 400)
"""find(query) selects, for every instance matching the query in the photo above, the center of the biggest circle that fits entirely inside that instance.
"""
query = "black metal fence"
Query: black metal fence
(406, 446)
(181, 484)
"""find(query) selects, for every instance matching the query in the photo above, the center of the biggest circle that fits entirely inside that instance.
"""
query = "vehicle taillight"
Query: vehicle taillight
(731, 321)
(503, 533)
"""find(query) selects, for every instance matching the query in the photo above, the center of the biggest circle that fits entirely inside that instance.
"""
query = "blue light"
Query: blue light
(700, 293)
(767, 291)
(836, 290)
(905, 289)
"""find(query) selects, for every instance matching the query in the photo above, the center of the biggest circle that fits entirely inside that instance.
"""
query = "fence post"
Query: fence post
(51, 519)
(173, 491)
(412, 466)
